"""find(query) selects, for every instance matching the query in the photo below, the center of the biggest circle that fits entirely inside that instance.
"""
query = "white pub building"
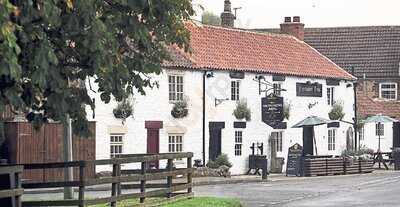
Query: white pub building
(228, 66)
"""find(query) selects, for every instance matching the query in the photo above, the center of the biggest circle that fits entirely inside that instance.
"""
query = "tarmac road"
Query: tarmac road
(379, 189)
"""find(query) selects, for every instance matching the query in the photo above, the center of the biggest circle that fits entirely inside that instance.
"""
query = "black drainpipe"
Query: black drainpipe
(355, 111)
(204, 118)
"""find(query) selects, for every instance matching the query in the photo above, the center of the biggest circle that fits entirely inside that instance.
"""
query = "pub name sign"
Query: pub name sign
(272, 109)
(309, 89)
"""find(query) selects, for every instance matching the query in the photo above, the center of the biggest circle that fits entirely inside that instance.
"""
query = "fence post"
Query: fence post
(169, 178)
(359, 166)
(189, 175)
(18, 182)
(82, 183)
(143, 183)
(344, 166)
(326, 166)
(115, 185)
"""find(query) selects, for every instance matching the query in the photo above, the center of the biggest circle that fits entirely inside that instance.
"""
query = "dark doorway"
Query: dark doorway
(153, 140)
(396, 134)
(215, 139)
(308, 140)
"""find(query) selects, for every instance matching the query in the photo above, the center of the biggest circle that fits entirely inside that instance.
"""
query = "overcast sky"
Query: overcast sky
(314, 13)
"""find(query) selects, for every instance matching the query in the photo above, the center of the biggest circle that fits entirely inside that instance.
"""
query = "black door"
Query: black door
(215, 139)
(396, 134)
(308, 140)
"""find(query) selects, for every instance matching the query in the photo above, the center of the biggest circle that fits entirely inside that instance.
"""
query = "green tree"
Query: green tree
(210, 19)
(49, 49)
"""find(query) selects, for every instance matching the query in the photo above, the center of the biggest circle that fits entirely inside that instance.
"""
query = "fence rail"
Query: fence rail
(10, 190)
(335, 166)
(142, 176)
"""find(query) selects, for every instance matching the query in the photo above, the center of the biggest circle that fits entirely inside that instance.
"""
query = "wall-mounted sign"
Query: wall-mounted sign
(272, 109)
(294, 160)
(278, 78)
(236, 74)
(309, 89)
(332, 82)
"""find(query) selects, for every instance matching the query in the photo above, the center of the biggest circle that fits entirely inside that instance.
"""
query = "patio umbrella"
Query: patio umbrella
(379, 119)
(311, 121)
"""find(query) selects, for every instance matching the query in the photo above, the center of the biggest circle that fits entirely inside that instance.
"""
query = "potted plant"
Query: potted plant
(336, 112)
(242, 111)
(180, 110)
(123, 110)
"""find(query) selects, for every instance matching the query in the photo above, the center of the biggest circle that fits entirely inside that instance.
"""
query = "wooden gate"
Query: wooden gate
(27, 145)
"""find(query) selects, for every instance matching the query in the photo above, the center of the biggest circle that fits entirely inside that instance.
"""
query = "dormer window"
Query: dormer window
(388, 91)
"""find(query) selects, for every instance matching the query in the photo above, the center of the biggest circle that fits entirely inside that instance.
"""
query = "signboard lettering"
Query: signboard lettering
(309, 89)
(272, 109)
(294, 160)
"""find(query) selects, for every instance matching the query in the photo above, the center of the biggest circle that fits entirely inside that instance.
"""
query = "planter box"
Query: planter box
(335, 166)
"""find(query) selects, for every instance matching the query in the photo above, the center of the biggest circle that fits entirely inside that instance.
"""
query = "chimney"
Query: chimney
(295, 28)
(227, 17)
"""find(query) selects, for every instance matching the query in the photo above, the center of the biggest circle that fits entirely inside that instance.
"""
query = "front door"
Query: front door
(153, 140)
(308, 140)
(215, 139)
(396, 134)
(153, 145)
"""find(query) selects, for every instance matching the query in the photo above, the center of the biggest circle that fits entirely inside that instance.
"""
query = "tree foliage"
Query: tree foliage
(50, 49)
(210, 19)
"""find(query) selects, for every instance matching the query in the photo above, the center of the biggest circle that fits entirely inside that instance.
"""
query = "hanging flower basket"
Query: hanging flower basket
(242, 111)
(123, 110)
(179, 110)
(336, 112)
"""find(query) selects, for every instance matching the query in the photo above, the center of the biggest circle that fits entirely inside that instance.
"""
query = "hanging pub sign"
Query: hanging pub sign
(272, 109)
(293, 166)
(309, 89)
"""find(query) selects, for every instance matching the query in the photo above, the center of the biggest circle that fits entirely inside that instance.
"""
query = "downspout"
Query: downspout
(355, 111)
(204, 118)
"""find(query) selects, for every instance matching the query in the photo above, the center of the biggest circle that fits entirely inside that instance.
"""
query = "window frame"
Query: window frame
(176, 89)
(277, 88)
(175, 144)
(235, 90)
(332, 139)
(238, 148)
(279, 140)
(381, 90)
(361, 134)
(380, 131)
(114, 144)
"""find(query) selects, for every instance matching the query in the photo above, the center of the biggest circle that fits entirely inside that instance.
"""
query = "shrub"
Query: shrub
(219, 161)
(242, 111)
(336, 112)
(180, 110)
(123, 110)
(363, 153)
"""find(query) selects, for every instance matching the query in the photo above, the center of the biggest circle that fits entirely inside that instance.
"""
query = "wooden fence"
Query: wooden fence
(335, 166)
(163, 190)
(10, 190)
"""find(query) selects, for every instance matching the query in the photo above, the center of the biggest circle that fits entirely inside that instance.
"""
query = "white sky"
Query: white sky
(313, 13)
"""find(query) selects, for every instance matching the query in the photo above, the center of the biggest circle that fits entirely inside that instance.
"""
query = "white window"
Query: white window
(379, 129)
(331, 139)
(388, 91)
(116, 145)
(361, 133)
(330, 91)
(278, 137)
(175, 143)
(277, 89)
(175, 84)
(238, 143)
(235, 85)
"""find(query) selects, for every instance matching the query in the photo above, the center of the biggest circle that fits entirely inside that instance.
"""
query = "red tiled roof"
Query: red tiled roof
(368, 106)
(233, 49)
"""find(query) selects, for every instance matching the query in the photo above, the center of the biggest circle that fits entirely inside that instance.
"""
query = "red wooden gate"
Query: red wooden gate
(27, 145)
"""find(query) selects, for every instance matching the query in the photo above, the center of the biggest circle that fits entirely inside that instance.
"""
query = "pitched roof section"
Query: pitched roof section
(233, 49)
(373, 50)
(368, 106)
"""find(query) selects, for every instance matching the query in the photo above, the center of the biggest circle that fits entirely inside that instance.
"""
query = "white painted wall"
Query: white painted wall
(156, 107)
(371, 140)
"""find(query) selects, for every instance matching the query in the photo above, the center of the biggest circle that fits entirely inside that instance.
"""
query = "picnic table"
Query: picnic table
(384, 158)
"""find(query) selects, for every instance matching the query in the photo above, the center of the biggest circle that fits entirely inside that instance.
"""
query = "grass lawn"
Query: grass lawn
(194, 202)
(206, 202)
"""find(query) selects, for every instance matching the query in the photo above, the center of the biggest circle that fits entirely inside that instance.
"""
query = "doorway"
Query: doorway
(153, 140)
(215, 143)
(308, 140)
(396, 134)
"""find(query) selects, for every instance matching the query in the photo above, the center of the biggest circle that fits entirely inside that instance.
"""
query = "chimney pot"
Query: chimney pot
(227, 18)
(288, 19)
(296, 19)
